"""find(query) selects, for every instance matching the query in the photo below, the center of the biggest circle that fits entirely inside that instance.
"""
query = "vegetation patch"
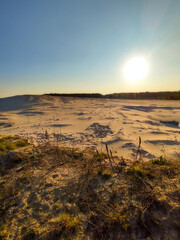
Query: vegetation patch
(64, 193)
(9, 143)
(136, 172)
(63, 226)
(160, 161)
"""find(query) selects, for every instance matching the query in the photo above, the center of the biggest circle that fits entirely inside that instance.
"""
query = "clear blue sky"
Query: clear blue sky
(82, 45)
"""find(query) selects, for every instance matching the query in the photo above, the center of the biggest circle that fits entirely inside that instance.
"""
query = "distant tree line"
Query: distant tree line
(146, 95)
(81, 95)
(140, 95)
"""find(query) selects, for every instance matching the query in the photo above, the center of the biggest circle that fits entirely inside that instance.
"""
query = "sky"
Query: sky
(74, 46)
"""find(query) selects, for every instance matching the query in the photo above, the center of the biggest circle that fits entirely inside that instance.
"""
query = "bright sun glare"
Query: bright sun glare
(136, 69)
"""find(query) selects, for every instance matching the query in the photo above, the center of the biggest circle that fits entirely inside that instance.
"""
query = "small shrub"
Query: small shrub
(159, 161)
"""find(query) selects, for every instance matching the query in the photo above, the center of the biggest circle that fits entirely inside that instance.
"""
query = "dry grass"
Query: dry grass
(63, 193)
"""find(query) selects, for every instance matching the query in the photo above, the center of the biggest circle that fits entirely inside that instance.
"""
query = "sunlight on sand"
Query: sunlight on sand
(91, 123)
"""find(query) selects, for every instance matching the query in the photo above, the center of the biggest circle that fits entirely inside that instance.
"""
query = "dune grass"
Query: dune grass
(9, 143)
(64, 193)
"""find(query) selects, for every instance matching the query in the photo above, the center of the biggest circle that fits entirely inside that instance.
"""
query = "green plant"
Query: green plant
(160, 161)
(136, 172)
(11, 143)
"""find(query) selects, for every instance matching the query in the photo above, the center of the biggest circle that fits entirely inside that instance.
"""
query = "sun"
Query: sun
(135, 69)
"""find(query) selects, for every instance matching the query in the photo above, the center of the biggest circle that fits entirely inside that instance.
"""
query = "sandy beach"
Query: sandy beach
(91, 123)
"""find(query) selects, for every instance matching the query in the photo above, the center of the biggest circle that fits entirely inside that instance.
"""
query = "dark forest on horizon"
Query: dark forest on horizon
(175, 95)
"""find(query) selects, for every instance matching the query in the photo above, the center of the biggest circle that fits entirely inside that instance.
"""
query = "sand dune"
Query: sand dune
(91, 123)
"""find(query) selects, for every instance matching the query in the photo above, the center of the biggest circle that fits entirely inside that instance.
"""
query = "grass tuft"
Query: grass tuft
(136, 172)
(11, 143)
(160, 161)
(63, 226)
